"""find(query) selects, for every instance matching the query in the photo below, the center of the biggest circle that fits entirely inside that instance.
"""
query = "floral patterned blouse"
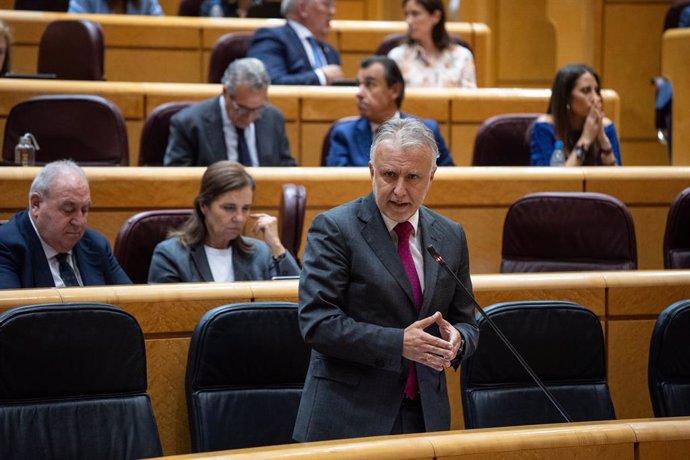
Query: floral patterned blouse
(454, 67)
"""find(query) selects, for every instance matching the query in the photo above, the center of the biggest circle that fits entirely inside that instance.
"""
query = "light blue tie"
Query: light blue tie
(315, 49)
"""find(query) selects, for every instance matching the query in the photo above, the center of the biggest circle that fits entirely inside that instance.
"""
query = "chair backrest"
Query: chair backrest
(560, 231)
(677, 234)
(88, 129)
(326, 144)
(155, 133)
(138, 237)
(672, 17)
(293, 206)
(73, 384)
(503, 140)
(245, 372)
(189, 7)
(392, 40)
(72, 49)
(669, 362)
(41, 5)
(561, 341)
(226, 49)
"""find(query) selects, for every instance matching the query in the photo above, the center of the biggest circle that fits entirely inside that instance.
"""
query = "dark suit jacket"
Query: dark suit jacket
(197, 139)
(355, 301)
(174, 263)
(286, 61)
(23, 263)
(351, 141)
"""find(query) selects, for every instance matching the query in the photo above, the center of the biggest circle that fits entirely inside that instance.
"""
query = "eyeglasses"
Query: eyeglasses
(243, 110)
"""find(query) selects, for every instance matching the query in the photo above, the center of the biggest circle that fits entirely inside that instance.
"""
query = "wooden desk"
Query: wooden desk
(177, 49)
(309, 111)
(627, 304)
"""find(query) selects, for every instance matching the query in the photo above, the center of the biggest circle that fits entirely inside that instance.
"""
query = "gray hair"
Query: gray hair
(287, 7)
(404, 133)
(249, 72)
(45, 179)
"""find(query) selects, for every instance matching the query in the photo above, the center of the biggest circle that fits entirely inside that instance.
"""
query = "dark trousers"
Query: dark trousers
(410, 417)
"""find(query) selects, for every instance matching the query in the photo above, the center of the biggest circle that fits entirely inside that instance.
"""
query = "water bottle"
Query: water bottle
(25, 151)
(557, 157)
(216, 10)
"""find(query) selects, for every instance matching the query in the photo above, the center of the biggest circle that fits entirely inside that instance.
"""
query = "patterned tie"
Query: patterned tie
(66, 272)
(404, 230)
(242, 148)
(315, 49)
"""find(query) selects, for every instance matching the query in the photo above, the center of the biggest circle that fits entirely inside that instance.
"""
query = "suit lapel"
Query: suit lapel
(297, 46)
(88, 263)
(200, 262)
(240, 265)
(213, 122)
(376, 234)
(363, 138)
(41, 270)
(430, 235)
(263, 135)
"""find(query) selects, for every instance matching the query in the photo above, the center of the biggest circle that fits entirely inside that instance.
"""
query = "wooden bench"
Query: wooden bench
(309, 111)
(177, 49)
(627, 304)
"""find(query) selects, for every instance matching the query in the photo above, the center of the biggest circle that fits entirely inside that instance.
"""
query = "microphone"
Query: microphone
(437, 257)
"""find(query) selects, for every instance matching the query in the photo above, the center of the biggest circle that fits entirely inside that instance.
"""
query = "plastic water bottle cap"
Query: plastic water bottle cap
(558, 145)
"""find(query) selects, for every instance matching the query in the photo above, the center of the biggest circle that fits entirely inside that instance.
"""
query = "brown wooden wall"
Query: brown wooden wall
(676, 67)
(626, 302)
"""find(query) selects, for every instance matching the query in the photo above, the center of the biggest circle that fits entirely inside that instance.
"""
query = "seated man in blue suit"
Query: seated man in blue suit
(297, 53)
(381, 92)
(48, 245)
(238, 125)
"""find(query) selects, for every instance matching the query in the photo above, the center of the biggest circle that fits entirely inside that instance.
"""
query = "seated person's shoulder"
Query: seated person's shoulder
(545, 118)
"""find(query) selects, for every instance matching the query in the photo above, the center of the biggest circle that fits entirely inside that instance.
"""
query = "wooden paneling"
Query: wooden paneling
(676, 67)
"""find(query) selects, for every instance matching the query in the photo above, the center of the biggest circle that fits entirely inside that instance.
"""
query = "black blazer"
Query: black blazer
(197, 139)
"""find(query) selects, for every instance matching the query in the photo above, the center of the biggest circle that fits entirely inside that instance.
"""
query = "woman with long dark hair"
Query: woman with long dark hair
(210, 245)
(429, 58)
(575, 116)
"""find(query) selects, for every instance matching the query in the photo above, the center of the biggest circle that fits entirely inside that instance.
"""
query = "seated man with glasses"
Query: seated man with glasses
(238, 125)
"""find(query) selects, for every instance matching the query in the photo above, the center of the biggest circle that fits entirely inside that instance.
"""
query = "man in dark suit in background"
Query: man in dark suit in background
(379, 97)
(48, 245)
(297, 53)
(238, 125)
(384, 323)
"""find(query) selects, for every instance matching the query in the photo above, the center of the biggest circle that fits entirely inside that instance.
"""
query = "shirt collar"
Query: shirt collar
(390, 223)
(49, 251)
(302, 32)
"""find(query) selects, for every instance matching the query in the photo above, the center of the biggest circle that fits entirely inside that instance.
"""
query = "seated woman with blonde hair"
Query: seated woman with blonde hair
(575, 117)
(429, 58)
(210, 245)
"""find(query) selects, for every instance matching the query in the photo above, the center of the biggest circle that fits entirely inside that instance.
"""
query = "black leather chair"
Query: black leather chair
(561, 231)
(88, 129)
(72, 49)
(673, 15)
(155, 133)
(293, 206)
(73, 384)
(245, 372)
(669, 362)
(226, 49)
(677, 234)
(392, 40)
(138, 237)
(503, 140)
(41, 5)
(561, 341)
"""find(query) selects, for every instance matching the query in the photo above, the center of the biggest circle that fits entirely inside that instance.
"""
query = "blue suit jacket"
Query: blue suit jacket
(286, 61)
(355, 302)
(351, 142)
(23, 263)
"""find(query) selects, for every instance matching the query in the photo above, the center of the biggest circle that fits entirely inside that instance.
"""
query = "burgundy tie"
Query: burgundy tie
(404, 229)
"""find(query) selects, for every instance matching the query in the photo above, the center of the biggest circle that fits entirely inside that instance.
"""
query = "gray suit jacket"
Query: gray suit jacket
(174, 263)
(196, 137)
(354, 303)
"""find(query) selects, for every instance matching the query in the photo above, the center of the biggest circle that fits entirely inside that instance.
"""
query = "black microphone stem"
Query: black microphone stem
(437, 257)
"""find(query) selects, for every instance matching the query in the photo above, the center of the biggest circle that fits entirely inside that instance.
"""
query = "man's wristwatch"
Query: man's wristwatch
(579, 152)
(277, 259)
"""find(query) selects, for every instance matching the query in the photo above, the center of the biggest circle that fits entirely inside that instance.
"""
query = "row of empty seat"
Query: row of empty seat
(85, 387)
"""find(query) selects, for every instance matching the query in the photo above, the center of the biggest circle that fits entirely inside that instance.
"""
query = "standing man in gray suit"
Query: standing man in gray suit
(238, 125)
(382, 318)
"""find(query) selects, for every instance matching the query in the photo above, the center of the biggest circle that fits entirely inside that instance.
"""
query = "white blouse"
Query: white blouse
(454, 67)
